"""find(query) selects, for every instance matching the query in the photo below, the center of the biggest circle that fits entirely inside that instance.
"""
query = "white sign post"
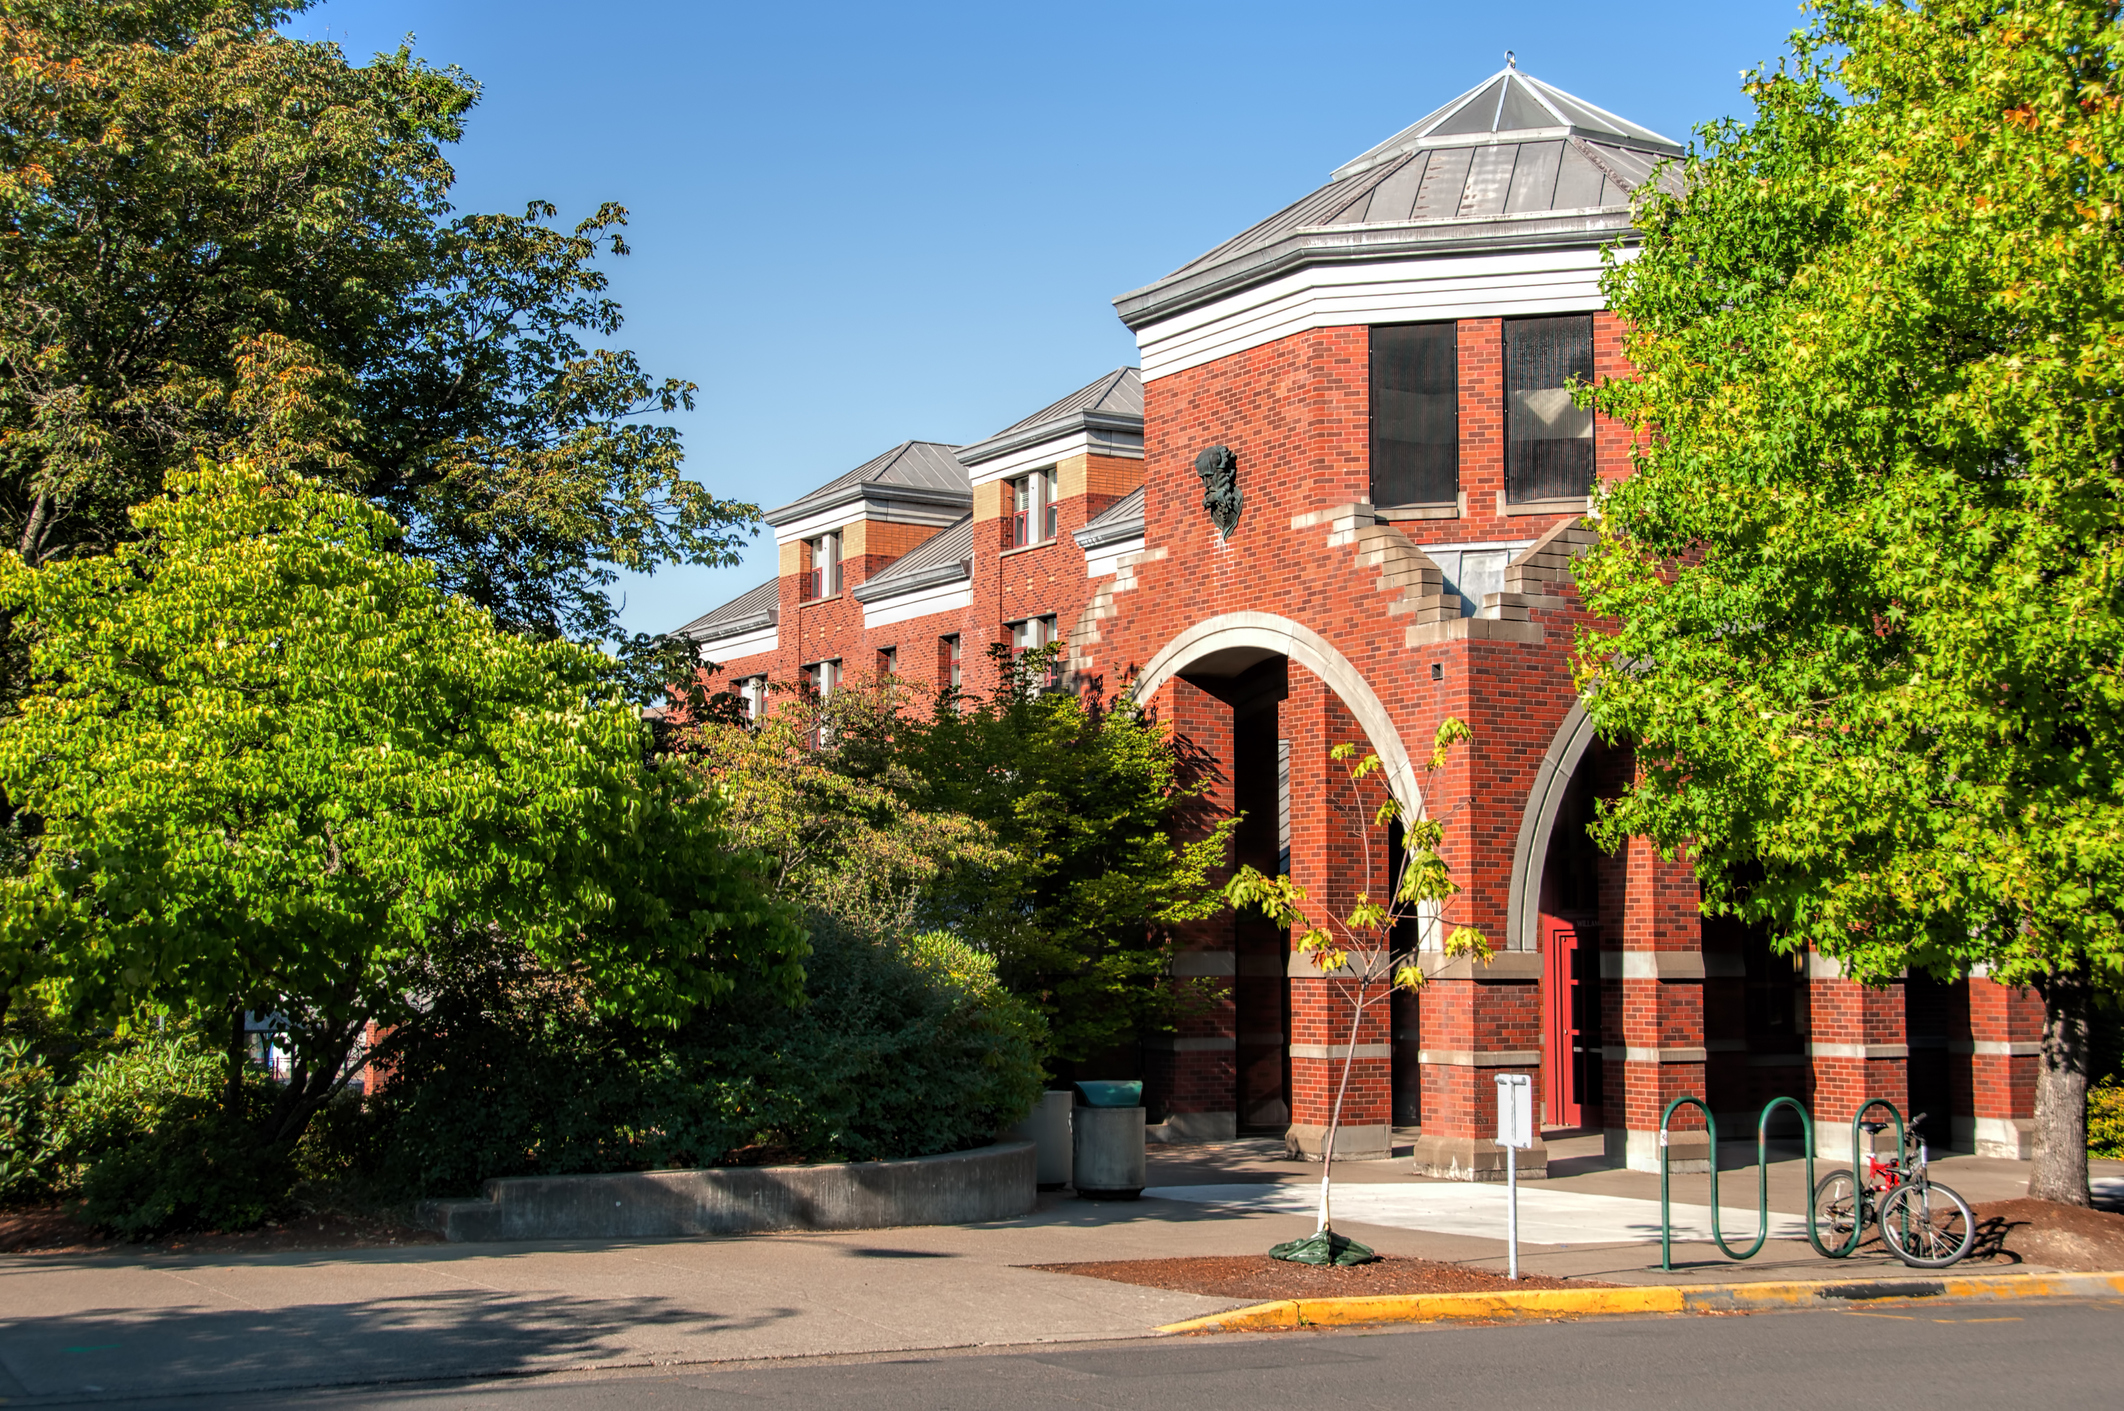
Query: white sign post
(1515, 1132)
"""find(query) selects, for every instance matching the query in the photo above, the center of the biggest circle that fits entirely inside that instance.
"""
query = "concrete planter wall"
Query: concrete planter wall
(988, 1183)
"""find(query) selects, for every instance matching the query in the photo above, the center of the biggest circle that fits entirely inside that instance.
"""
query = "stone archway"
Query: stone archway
(1537, 824)
(1217, 674)
(1231, 642)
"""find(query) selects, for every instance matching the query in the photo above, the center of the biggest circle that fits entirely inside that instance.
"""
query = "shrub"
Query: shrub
(29, 1107)
(899, 1049)
(122, 1093)
(2105, 1118)
(195, 1169)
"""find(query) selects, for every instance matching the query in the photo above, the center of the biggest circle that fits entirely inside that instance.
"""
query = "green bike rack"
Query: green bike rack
(1762, 1179)
(1858, 1181)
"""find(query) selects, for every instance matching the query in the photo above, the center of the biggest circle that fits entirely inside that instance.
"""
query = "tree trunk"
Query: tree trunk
(2060, 1171)
(238, 1055)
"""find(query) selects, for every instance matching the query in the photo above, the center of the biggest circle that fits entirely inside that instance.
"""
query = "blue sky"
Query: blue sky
(855, 224)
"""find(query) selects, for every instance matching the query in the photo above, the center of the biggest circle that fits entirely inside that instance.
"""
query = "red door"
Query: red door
(1570, 1048)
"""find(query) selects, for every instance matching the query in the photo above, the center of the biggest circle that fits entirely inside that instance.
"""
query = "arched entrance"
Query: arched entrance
(1262, 699)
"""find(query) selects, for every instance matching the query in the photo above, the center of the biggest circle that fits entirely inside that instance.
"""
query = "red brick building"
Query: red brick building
(1384, 365)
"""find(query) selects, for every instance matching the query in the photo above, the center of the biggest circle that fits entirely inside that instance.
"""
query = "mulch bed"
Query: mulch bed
(1260, 1278)
(2054, 1236)
(54, 1227)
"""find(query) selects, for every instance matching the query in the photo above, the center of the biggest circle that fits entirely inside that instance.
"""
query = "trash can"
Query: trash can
(1108, 1123)
(1047, 1127)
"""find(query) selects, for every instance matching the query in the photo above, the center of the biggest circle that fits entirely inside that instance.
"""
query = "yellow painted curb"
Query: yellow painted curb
(1653, 1298)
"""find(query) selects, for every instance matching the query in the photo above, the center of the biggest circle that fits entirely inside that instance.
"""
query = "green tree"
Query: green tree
(824, 791)
(264, 763)
(1868, 570)
(1108, 839)
(1035, 825)
(220, 240)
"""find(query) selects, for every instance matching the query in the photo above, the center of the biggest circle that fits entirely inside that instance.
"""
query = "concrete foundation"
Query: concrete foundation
(1184, 1127)
(1688, 1153)
(964, 1187)
(2012, 1138)
(1477, 1159)
(1354, 1141)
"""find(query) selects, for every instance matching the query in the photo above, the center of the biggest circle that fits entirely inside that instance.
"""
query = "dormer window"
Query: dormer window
(1034, 518)
(822, 576)
(1548, 441)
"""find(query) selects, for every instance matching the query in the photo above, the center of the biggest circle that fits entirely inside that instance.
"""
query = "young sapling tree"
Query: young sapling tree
(1355, 953)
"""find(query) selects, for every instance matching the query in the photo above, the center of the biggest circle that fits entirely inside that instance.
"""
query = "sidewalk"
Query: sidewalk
(107, 1326)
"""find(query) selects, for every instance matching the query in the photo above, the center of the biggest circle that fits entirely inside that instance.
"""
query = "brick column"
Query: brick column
(1858, 1047)
(1190, 1082)
(1477, 1021)
(1327, 859)
(1995, 1095)
(1652, 1020)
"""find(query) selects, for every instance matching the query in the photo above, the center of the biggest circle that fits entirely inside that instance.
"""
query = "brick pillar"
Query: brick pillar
(1477, 1021)
(1327, 859)
(1652, 1021)
(1859, 1050)
(1190, 1082)
(1995, 1108)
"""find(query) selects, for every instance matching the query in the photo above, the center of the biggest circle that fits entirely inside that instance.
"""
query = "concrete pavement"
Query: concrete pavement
(119, 1325)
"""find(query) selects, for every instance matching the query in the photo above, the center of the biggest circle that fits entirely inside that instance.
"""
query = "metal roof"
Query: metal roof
(1123, 519)
(921, 470)
(1509, 101)
(751, 609)
(939, 559)
(1512, 163)
(1111, 403)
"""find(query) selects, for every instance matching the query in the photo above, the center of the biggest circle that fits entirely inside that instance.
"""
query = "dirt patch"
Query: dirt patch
(54, 1227)
(1259, 1278)
(2052, 1235)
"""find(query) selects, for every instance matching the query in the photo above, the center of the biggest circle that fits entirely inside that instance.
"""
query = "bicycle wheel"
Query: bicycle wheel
(1928, 1226)
(1839, 1214)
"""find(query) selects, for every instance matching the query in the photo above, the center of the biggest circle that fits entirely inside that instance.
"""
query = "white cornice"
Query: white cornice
(744, 644)
(1098, 442)
(1560, 280)
(952, 596)
(881, 505)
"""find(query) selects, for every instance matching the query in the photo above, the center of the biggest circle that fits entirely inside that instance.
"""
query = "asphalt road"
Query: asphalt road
(2052, 1355)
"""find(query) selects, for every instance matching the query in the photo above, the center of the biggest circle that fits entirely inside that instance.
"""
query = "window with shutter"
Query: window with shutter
(1548, 441)
(1415, 414)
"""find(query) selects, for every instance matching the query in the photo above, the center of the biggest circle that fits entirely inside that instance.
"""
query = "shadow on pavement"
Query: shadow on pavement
(459, 1332)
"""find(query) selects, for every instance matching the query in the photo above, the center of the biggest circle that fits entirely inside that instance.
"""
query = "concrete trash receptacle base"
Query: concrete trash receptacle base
(1109, 1149)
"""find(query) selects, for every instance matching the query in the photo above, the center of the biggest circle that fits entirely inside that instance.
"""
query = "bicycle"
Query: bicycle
(1926, 1224)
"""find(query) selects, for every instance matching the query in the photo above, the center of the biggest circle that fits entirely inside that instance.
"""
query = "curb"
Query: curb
(1655, 1298)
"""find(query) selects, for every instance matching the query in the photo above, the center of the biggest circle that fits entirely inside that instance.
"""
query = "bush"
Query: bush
(195, 1170)
(122, 1093)
(2105, 1118)
(29, 1109)
(900, 1049)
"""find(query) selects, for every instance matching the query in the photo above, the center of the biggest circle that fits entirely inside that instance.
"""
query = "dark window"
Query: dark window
(1548, 442)
(1415, 414)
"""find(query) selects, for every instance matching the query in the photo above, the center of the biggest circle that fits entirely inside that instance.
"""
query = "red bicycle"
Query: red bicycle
(1925, 1223)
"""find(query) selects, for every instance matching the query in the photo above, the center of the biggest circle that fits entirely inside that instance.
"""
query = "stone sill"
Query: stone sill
(1573, 505)
(1028, 548)
(1450, 509)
